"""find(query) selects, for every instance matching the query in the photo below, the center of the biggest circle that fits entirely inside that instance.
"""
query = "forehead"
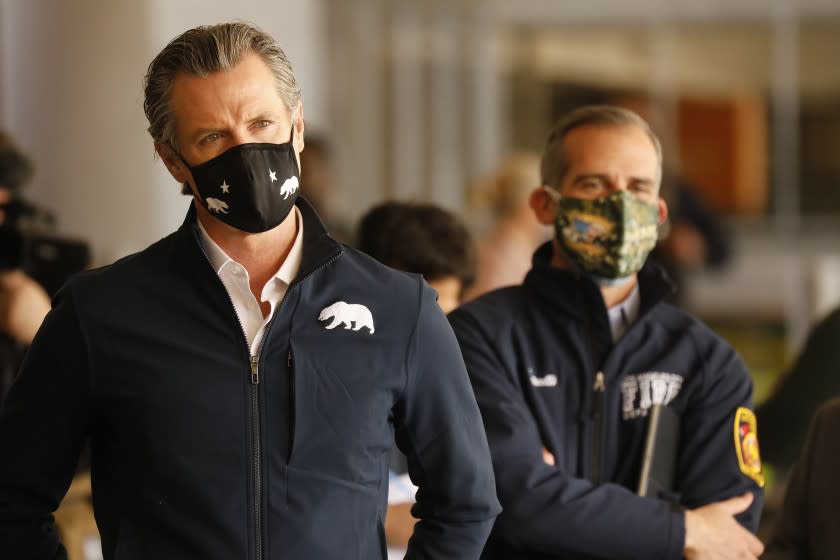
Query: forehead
(249, 87)
(609, 148)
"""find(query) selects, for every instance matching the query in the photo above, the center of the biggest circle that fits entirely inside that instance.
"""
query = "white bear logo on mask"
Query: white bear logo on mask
(289, 186)
(216, 205)
(351, 315)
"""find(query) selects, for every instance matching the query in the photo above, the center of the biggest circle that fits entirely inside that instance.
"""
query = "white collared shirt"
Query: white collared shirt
(624, 314)
(237, 281)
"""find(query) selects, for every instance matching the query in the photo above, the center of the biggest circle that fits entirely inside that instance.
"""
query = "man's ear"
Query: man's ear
(544, 207)
(299, 126)
(173, 162)
(663, 211)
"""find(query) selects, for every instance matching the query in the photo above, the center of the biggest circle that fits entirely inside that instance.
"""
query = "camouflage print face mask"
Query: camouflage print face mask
(607, 237)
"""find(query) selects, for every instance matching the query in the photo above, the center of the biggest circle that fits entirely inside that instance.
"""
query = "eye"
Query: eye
(641, 187)
(262, 124)
(210, 138)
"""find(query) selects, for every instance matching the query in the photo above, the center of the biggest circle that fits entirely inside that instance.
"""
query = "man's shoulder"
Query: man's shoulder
(693, 341)
(356, 274)
(497, 309)
(121, 273)
(676, 320)
(373, 273)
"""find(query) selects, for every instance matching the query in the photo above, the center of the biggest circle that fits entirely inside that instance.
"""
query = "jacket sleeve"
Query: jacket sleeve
(438, 427)
(709, 467)
(790, 537)
(546, 509)
(43, 423)
(784, 417)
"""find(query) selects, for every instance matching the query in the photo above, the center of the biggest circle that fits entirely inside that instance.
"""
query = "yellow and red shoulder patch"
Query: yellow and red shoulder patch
(746, 445)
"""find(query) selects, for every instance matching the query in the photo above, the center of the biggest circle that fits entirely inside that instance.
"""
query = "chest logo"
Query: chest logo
(352, 315)
(547, 380)
(641, 391)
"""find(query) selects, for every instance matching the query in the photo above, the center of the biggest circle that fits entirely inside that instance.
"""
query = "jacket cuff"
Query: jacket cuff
(676, 533)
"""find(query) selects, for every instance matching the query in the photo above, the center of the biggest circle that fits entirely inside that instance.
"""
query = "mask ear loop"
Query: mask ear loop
(185, 188)
(552, 193)
(663, 229)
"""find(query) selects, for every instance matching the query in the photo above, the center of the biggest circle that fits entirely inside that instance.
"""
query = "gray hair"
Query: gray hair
(202, 51)
(555, 161)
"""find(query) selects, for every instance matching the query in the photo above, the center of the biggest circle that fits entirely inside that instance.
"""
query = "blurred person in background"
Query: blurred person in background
(808, 527)
(318, 186)
(567, 365)
(812, 379)
(428, 240)
(244, 378)
(512, 234)
(784, 416)
(23, 302)
(424, 239)
(694, 237)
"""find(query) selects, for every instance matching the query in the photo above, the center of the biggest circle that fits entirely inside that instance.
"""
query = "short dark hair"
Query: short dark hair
(204, 50)
(422, 238)
(555, 161)
(15, 168)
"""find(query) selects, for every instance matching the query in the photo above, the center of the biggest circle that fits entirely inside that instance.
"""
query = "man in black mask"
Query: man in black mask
(243, 379)
(567, 366)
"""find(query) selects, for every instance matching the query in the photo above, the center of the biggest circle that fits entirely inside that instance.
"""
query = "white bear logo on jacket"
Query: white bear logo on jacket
(351, 315)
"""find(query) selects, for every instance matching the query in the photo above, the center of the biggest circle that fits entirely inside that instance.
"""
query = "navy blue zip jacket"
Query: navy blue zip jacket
(533, 353)
(200, 450)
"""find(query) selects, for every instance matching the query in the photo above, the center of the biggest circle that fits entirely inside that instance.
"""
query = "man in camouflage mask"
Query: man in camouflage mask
(604, 203)
(608, 237)
(567, 366)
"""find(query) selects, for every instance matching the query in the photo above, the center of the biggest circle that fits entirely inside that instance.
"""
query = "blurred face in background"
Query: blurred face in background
(449, 290)
(6, 196)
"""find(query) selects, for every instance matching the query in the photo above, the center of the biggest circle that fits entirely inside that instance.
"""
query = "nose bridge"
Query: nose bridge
(617, 182)
(240, 135)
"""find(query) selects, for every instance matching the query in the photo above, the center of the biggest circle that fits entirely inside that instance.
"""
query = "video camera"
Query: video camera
(47, 258)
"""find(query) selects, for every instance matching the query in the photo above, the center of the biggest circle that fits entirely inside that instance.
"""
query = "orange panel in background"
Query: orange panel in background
(723, 151)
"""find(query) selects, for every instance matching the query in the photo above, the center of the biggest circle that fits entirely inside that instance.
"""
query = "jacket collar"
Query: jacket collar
(318, 247)
(574, 292)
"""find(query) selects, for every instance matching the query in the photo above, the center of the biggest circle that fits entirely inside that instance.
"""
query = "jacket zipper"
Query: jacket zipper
(289, 362)
(256, 453)
(256, 444)
(598, 388)
(256, 435)
(253, 400)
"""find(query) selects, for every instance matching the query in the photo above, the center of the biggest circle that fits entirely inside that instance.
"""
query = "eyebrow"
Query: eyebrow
(606, 179)
(199, 133)
(203, 131)
(586, 176)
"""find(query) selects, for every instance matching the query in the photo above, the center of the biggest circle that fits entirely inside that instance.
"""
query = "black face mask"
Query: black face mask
(251, 187)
